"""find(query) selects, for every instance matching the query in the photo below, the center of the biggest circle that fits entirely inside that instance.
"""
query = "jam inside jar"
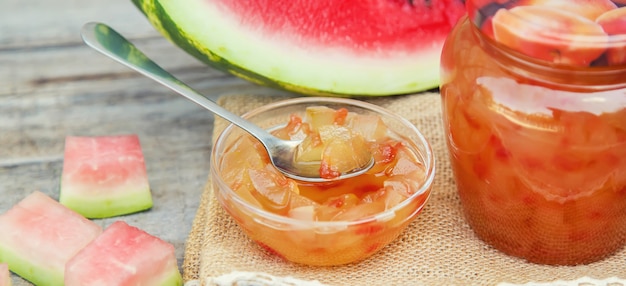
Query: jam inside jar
(534, 110)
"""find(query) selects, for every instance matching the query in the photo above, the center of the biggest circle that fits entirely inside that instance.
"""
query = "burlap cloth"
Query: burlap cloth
(438, 248)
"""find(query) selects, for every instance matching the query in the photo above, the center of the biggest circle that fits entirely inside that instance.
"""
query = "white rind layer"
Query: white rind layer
(322, 68)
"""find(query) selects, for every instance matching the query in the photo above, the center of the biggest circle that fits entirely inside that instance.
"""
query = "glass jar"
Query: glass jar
(534, 109)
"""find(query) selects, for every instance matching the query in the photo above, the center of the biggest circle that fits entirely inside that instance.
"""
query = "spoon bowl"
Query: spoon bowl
(281, 152)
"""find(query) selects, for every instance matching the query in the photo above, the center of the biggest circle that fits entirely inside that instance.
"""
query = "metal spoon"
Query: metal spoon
(281, 152)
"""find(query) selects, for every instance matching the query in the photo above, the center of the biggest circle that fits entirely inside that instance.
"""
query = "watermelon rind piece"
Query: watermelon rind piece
(128, 201)
(124, 255)
(31, 270)
(104, 176)
(216, 38)
(39, 235)
(171, 278)
(5, 275)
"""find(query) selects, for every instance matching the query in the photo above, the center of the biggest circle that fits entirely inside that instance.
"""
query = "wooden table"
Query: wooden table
(52, 85)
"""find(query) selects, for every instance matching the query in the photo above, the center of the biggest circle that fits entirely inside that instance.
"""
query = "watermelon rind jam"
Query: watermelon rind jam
(212, 32)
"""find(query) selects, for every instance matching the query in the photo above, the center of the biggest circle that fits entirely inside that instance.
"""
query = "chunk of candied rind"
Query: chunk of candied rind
(272, 189)
(311, 149)
(318, 116)
(589, 9)
(303, 213)
(371, 127)
(614, 23)
(246, 153)
(361, 211)
(340, 148)
(407, 164)
(296, 129)
(344, 151)
(336, 205)
(546, 33)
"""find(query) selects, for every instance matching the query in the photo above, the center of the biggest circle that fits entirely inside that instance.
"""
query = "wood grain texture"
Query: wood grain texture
(52, 86)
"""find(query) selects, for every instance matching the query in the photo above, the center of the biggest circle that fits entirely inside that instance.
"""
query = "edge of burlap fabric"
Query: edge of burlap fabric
(438, 248)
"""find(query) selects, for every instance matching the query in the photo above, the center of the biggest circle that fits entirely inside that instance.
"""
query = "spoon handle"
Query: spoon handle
(107, 41)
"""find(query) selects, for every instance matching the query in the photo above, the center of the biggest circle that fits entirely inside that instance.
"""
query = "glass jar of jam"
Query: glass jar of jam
(534, 109)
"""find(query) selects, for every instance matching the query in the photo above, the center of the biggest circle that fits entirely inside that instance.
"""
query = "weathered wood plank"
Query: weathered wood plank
(74, 68)
(35, 23)
(175, 136)
(52, 85)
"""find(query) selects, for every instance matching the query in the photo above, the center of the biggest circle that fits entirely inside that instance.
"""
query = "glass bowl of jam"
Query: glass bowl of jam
(534, 108)
(326, 223)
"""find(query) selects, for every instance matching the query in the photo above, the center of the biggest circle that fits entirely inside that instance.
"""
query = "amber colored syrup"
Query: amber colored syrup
(353, 203)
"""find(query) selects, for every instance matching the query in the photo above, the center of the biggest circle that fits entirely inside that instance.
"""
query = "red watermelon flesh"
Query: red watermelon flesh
(363, 26)
(5, 275)
(104, 176)
(123, 256)
(39, 235)
(324, 47)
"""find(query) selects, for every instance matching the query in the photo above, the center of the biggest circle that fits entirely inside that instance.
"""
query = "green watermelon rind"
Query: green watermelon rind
(39, 275)
(171, 279)
(121, 202)
(306, 75)
(34, 239)
(30, 270)
(168, 28)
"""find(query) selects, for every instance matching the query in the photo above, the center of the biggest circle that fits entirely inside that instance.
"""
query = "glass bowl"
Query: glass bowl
(324, 223)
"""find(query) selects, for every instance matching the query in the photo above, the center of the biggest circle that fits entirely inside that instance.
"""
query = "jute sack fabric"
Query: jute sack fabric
(438, 248)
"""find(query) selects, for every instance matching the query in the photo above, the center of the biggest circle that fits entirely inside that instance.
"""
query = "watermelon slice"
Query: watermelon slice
(321, 47)
(5, 275)
(124, 255)
(39, 235)
(104, 176)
